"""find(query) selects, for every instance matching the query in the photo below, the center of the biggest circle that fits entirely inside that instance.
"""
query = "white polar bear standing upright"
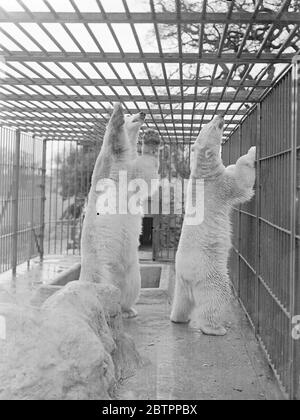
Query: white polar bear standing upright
(110, 241)
(203, 287)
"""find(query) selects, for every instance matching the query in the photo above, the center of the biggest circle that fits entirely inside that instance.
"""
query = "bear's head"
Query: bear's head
(151, 142)
(133, 123)
(206, 157)
(128, 128)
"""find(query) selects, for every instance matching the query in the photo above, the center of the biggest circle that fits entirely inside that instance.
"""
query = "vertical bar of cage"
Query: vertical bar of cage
(15, 201)
(50, 200)
(2, 197)
(62, 174)
(69, 177)
(240, 138)
(57, 162)
(32, 170)
(294, 283)
(170, 215)
(43, 200)
(257, 211)
(157, 217)
(83, 157)
(74, 227)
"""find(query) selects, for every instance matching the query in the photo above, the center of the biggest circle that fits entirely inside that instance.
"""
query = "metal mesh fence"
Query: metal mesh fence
(21, 200)
(264, 264)
(68, 176)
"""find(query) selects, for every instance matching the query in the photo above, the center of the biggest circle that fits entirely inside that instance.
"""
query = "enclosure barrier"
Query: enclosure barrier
(68, 175)
(22, 188)
(264, 264)
(43, 195)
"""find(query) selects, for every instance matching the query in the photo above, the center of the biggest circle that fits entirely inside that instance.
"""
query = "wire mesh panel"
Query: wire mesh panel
(295, 239)
(68, 176)
(174, 173)
(230, 154)
(267, 238)
(7, 152)
(30, 197)
(247, 226)
(274, 289)
(21, 192)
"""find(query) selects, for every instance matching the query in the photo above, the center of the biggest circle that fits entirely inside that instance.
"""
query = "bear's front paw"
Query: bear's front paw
(251, 156)
(117, 118)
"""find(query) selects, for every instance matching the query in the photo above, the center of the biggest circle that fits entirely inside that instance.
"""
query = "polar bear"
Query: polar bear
(203, 287)
(110, 241)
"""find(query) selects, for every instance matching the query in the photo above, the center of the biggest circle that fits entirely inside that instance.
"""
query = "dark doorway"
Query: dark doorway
(146, 238)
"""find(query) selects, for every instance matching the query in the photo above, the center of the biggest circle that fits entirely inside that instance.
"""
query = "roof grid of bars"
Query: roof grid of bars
(64, 63)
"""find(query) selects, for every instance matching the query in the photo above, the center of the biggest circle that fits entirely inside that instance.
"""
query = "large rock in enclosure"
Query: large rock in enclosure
(73, 347)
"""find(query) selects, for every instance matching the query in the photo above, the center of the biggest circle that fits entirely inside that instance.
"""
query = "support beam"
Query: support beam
(36, 120)
(43, 132)
(98, 112)
(208, 58)
(163, 99)
(239, 18)
(130, 82)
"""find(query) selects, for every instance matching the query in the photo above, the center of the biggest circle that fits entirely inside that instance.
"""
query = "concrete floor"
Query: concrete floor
(181, 363)
(28, 279)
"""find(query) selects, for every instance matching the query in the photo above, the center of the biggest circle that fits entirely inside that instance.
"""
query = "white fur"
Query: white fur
(202, 284)
(110, 242)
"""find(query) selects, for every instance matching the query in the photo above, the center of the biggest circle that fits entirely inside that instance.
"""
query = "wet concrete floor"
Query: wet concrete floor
(178, 362)
(181, 363)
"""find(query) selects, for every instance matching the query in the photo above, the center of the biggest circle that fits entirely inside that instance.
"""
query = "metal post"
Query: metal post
(15, 202)
(31, 242)
(43, 200)
(294, 255)
(239, 223)
(257, 211)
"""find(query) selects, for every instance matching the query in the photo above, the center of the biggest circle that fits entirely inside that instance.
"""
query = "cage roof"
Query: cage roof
(63, 63)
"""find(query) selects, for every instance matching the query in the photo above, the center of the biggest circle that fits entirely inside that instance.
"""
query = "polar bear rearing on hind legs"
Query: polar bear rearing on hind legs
(202, 284)
(110, 240)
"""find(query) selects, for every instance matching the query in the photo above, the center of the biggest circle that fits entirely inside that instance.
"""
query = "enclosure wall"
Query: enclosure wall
(22, 197)
(264, 264)
(68, 175)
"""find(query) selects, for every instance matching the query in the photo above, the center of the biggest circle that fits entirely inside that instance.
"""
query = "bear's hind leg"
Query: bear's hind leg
(210, 303)
(182, 303)
(131, 292)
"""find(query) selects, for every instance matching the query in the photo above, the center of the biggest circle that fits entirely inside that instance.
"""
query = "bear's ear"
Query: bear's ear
(117, 118)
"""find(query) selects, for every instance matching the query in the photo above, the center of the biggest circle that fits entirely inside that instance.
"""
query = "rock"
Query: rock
(73, 347)
(87, 301)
